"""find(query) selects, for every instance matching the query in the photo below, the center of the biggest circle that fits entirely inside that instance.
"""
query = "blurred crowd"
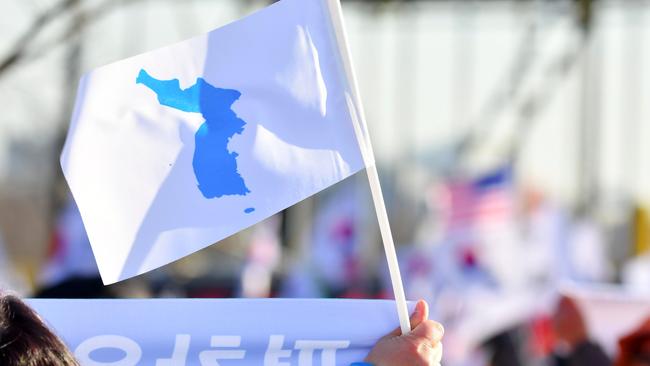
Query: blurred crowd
(515, 278)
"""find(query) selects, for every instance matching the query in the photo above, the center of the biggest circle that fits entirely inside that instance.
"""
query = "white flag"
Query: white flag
(175, 149)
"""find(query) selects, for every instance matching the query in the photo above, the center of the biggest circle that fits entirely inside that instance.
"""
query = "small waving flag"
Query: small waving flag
(175, 149)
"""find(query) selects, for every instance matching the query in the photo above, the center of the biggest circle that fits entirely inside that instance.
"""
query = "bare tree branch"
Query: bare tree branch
(21, 48)
(72, 29)
(22, 43)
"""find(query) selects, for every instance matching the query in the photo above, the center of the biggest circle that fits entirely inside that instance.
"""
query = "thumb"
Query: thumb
(420, 314)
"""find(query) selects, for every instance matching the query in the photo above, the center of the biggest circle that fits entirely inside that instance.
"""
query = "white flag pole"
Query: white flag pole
(357, 112)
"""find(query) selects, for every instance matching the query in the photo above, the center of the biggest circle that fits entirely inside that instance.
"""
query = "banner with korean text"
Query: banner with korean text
(214, 332)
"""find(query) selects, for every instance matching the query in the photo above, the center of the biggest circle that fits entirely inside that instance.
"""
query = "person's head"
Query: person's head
(569, 325)
(25, 340)
(634, 348)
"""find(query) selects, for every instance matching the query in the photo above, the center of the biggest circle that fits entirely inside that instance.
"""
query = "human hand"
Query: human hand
(420, 347)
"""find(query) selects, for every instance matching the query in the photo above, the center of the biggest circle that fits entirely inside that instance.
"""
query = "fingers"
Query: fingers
(436, 356)
(429, 335)
(421, 346)
(430, 330)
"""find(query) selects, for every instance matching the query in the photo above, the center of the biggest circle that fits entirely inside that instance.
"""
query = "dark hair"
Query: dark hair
(631, 346)
(25, 340)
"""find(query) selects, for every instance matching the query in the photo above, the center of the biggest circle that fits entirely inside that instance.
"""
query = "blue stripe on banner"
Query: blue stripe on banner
(214, 332)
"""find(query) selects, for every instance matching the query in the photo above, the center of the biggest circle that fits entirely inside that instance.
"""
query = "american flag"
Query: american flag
(487, 200)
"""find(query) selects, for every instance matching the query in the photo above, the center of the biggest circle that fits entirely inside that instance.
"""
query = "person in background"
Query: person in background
(574, 348)
(25, 340)
(503, 349)
(634, 348)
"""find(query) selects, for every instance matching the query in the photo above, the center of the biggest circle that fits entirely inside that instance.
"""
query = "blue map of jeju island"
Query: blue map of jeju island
(214, 165)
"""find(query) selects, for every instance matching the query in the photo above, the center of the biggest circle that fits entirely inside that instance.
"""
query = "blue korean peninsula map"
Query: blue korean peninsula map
(215, 167)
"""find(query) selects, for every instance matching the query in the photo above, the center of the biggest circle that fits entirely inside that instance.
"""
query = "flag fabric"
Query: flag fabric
(479, 224)
(486, 201)
(211, 332)
(336, 240)
(173, 150)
